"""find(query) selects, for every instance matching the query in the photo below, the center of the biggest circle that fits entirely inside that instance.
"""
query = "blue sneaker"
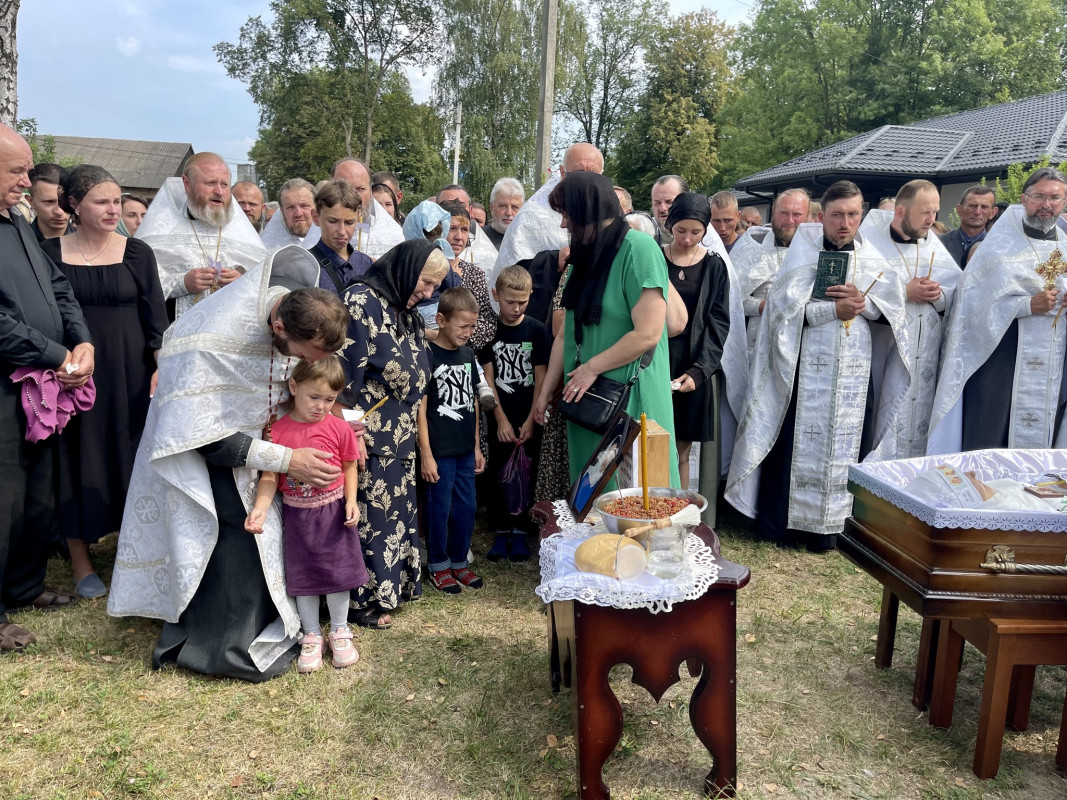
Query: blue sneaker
(519, 550)
(501, 545)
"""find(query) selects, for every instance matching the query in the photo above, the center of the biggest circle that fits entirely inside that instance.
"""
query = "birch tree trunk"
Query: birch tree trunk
(9, 62)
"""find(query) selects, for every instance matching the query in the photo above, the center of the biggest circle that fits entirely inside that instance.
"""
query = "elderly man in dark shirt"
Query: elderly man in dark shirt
(42, 326)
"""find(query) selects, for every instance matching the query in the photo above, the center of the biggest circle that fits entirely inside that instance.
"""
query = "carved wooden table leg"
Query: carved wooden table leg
(655, 646)
(713, 707)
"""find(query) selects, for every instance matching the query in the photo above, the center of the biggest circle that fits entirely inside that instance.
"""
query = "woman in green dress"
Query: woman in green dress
(617, 292)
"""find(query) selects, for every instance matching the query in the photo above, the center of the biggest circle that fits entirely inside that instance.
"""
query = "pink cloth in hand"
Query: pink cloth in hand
(48, 404)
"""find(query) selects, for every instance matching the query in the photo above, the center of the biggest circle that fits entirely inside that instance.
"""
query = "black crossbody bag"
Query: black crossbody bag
(604, 398)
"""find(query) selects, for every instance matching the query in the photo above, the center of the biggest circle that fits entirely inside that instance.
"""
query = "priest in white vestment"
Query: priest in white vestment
(183, 554)
(758, 254)
(903, 380)
(804, 413)
(201, 239)
(292, 223)
(1002, 370)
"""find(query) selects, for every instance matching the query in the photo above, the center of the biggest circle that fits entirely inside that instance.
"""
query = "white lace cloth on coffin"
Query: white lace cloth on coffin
(887, 480)
(562, 580)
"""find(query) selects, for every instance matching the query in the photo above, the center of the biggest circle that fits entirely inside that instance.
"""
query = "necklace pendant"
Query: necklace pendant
(681, 274)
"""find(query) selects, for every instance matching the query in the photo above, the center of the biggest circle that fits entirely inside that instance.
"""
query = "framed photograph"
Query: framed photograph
(601, 466)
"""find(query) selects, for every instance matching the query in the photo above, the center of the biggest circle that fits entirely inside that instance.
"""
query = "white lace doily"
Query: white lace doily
(562, 580)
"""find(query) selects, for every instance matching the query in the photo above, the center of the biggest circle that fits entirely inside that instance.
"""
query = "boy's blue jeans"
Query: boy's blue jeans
(450, 513)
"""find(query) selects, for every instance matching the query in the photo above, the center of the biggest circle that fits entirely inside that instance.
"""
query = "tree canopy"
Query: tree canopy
(812, 72)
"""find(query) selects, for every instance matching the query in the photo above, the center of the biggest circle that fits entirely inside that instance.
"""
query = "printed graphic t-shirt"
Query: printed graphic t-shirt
(450, 401)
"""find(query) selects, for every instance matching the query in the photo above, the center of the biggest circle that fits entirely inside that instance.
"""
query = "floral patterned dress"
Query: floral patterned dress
(382, 361)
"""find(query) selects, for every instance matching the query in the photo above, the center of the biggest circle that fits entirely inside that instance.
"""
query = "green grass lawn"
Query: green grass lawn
(455, 702)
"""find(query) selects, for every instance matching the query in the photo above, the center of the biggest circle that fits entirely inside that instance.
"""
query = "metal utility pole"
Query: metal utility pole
(455, 156)
(547, 96)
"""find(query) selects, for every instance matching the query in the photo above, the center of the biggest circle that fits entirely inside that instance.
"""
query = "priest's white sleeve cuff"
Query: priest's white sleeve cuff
(1024, 308)
(268, 457)
(940, 304)
(819, 312)
(751, 306)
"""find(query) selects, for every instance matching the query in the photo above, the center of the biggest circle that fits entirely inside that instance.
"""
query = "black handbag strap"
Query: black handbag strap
(327, 264)
(646, 357)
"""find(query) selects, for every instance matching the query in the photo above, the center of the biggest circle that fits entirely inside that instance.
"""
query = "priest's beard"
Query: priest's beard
(280, 342)
(215, 216)
(910, 231)
(1043, 224)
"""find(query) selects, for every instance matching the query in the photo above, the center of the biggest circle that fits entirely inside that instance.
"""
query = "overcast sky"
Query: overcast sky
(144, 69)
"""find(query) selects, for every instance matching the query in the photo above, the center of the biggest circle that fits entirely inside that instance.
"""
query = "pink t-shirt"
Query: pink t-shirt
(331, 435)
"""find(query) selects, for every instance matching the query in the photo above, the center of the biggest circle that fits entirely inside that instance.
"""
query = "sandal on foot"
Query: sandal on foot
(443, 581)
(49, 600)
(377, 619)
(310, 659)
(14, 638)
(468, 578)
(344, 653)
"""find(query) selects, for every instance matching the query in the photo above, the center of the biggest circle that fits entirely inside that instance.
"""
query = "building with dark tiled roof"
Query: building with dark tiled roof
(953, 151)
(140, 167)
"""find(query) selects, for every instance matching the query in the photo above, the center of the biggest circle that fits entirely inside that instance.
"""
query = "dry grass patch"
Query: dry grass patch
(454, 702)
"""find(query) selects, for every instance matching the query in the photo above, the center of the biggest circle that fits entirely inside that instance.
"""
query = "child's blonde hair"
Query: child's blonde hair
(515, 278)
(328, 370)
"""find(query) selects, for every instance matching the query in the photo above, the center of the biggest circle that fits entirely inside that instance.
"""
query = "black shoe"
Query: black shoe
(821, 542)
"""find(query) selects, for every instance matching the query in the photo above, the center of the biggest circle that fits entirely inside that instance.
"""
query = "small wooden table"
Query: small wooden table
(586, 641)
(1013, 649)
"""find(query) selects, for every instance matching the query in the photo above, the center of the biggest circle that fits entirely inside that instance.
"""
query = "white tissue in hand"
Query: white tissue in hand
(72, 368)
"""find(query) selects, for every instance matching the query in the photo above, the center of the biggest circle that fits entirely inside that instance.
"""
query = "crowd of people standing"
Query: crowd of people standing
(209, 334)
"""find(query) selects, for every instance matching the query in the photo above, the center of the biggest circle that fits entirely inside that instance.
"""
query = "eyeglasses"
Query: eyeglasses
(1046, 198)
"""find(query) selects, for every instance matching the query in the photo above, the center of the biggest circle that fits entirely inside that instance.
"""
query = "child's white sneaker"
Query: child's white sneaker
(344, 652)
(310, 653)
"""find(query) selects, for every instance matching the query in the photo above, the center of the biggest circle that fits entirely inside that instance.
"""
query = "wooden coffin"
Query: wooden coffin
(933, 558)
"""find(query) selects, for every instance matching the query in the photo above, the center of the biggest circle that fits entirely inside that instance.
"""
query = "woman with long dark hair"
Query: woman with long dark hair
(616, 304)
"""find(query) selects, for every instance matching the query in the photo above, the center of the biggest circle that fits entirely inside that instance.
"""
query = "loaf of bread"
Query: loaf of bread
(612, 555)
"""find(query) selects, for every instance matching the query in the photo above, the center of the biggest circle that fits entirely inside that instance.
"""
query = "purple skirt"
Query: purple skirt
(322, 556)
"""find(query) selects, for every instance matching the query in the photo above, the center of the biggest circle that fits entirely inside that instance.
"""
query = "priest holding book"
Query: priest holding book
(806, 403)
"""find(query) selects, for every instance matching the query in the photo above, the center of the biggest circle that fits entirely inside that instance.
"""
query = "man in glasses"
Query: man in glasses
(1003, 353)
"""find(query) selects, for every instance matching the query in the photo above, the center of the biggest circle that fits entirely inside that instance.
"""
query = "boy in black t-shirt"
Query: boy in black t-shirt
(515, 362)
(448, 443)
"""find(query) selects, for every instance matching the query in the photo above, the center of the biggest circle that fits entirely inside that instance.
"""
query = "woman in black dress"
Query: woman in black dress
(116, 283)
(701, 278)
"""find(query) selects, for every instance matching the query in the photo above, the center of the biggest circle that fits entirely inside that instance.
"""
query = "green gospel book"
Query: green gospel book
(832, 270)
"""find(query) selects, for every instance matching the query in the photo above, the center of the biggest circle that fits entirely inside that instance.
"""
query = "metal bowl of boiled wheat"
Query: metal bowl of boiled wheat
(620, 509)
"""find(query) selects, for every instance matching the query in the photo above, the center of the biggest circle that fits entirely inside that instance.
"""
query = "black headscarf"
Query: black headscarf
(396, 274)
(690, 205)
(589, 200)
